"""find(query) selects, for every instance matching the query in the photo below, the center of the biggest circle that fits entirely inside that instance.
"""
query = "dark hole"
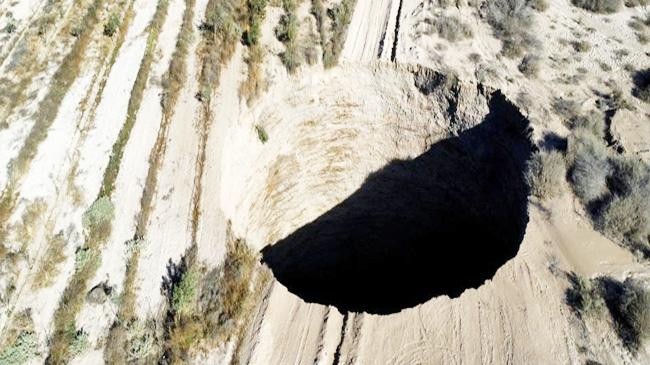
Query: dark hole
(435, 225)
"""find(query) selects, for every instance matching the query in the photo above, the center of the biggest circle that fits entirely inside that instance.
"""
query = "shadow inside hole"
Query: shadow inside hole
(435, 225)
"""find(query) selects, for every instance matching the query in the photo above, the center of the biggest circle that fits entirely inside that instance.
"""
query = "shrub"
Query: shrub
(24, 348)
(184, 293)
(101, 211)
(581, 46)
(261, 134)
(111, 25)
(530, 65)
(511, 20)
(341, 15)
(642, 85)
(629, 305)
(626, 217)
(584, 295)
(545, 174)
(451, 28)
(589, 166)
(598, 6)
(287, 29)
(79, 343)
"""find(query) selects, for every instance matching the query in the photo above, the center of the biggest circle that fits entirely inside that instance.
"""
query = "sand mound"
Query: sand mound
(407, 187)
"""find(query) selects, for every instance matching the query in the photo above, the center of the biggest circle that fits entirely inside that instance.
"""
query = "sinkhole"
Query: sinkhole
(435, 224)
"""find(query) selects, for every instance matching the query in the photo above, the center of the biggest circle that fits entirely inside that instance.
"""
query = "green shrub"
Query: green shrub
(24, 348)
(111, 25)
(261, 134)
(546, 173)
(100, 212)
(79, 343)
(184, 293)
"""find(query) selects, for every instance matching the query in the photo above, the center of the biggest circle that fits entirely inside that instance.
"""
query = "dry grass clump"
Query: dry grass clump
(598, 6)
(53, 257)
(546, 173)
(626, 302)
(254, 84)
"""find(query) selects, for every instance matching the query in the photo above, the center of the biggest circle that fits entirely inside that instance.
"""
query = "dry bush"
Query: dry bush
(451, 28)
(642, 85)
(546, 173)
(530, 65)
(626, 217)
(510, 20)
(629, 306)
(590, 168)
(598, 6)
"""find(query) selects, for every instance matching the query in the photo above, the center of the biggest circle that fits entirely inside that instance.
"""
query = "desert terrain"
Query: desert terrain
(324, 182)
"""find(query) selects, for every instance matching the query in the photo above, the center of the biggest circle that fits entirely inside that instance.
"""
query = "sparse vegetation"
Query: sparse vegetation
(176, 74)
(207, 307)
(613, 188)
(546, 173)
(47, 111)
